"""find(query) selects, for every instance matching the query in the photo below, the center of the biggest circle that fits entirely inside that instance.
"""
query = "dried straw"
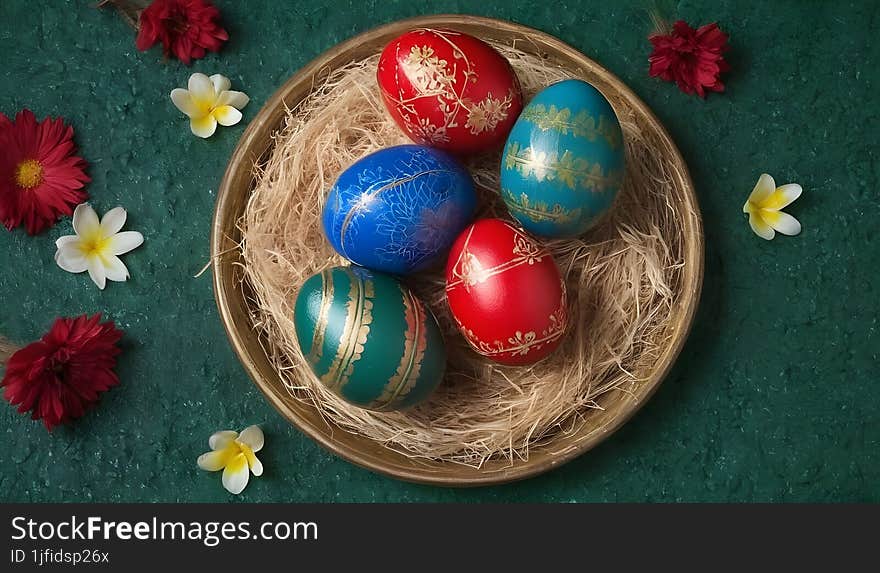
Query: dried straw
(624, 277)
(7, 349)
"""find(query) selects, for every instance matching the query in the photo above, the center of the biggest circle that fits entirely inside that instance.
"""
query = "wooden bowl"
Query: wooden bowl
(233, 294)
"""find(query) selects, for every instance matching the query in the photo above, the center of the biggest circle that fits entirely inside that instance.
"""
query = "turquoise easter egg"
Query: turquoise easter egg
(368, 338)
(563, 162)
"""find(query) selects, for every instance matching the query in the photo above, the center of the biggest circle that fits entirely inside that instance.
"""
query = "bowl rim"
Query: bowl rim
(245, 341)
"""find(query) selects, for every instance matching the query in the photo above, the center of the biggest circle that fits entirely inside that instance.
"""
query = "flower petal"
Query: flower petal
(66, 240)
(221, 83)
(216, 460)
(763, 189)
(97, 272)
(201, 90)
(123, 242)
(236, 474)
(253, 437)
(113, 220)
(235, 99)
(221, 439)
(184, 102)
(227, 115)
(85, 220)
(782, 222)
(782, 197)
(761, 228)
(115, 269)
(255, 464)
(70, 258)
(203, 127)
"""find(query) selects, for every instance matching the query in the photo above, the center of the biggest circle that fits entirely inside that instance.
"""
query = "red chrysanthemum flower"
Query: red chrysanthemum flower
(186, 28)
(693, 59)
(41, 178)
(62, 374)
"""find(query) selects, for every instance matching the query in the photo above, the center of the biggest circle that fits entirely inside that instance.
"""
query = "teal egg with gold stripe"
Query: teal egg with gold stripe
(562, 165)
(368, 338)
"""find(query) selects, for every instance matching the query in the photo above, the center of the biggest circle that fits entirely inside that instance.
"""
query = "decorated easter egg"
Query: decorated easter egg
(368, 338)
(449, 90)
(396, 209)
(505, 293)
(562, 165)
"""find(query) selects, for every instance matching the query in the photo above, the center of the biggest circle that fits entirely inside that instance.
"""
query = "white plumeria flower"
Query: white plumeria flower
(209, 101)
(96, 246)
(234, 454)
(764, 208)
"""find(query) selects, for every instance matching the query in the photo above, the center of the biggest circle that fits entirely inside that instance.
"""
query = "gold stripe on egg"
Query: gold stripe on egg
(323, 315)
(468, 271)
(414, 345)
(573, 172)
(358, 318)
(360, 332)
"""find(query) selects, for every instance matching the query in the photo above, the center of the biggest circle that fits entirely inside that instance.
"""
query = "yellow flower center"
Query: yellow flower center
(206, 107)
(247, 451)
(29, 174)
(95, 244)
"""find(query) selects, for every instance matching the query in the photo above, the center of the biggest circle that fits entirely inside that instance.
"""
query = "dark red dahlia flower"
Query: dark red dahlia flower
(62, 374)
(41, 177)
(693, 59)
(186, 28)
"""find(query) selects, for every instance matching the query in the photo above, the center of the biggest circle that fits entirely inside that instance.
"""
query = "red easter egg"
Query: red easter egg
(449, 90)
(505, 293)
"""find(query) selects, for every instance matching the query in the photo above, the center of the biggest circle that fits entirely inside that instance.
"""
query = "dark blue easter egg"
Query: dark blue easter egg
(397, 209)
(563, 162)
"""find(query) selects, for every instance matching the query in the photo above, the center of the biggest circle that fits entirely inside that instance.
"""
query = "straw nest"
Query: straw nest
(623, 279)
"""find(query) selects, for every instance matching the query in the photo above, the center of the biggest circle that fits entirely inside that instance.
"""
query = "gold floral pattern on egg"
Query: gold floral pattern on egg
(539, 210)
(573, 172)
(521, 343)
(487, 114)
(447, 84)
(581, 125)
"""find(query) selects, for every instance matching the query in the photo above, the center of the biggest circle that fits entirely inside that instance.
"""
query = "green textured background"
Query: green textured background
(776, 396)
